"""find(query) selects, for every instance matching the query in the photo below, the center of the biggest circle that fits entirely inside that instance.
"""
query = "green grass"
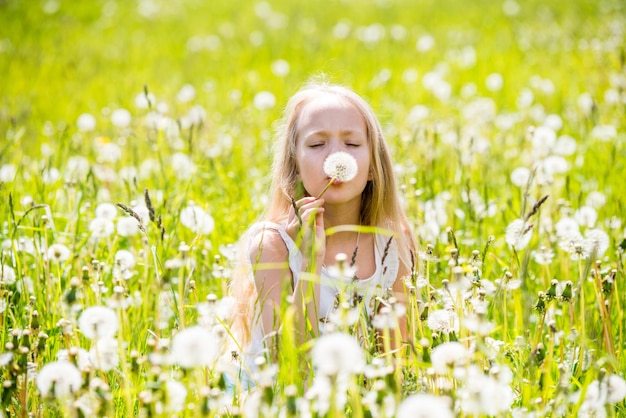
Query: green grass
(97, 56)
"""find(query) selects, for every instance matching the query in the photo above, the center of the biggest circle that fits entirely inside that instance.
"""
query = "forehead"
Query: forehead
(330, 112)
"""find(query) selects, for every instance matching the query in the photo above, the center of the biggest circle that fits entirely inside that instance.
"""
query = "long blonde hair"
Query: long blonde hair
(380, 201)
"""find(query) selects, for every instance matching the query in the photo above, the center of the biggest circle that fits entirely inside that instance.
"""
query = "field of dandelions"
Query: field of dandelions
(135, 148)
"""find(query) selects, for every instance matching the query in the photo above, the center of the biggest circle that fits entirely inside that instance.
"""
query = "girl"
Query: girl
(314, 219)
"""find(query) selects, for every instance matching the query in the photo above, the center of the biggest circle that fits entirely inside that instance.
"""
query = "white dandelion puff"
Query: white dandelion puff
(520, 176)
(196, 219)
(447, 356)
(337, 354)
(59, 379)
(7, 275)
(443, 321)
(425, 406)
(86, 122)
(176, 396)
(104, 354)
(518, 234)
(58, 252)
(195, 346)
(97, 322)
(264, 100)
(121, 118)
(341, 166)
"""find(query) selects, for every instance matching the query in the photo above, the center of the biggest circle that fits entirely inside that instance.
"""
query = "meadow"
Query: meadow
(135, 149)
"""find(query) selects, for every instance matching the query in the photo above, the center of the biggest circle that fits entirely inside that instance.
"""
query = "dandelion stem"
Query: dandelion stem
(332, 180)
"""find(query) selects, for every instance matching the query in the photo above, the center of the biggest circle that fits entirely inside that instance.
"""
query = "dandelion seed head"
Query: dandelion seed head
(518, 234)
(104, 354)
(520, 176)
(186, 94)
(121, 118)
(195, 346)
(59, 379)
(197, 220)
(449, 355)
(127, 226)
(443, 321)
(264, 100)
(341, 166)
(337, 354)
(7, 275)
(97, 322)
(58, 252)
(86, 122)
(425, 406)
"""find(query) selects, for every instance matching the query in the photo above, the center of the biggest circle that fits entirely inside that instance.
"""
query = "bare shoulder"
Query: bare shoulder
(267, 246)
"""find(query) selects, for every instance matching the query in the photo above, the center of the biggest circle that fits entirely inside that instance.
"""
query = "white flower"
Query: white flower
(337, 354)
(58, 252)
(518, 234)
(80, 357)
(448, 356)
(104, 355)
(341, 166)
(425, 406)
(264, 100)
(186, 94)
(7, 275)
(183, 166)
(196, 219)
(596, 240)
(494, 82)
(615, 387)
(595, 199)
(121, 118)
(97, 322)
(106, 211)
(59, 379)
(604, 133)
(485, 395)
(543, 139)
(443, 321)
(142, 101)
(125, 259)
(586, 216)
(101, 228)
(212, 312)
(176, 396)
(77, 167)
(195, 346)
(7, 173)
(520, 176)
(127, 226)
(280, 68)
(86, 122)
(565, 145)
(425, 43)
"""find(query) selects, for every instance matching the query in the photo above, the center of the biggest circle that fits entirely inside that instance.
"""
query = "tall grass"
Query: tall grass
(506, 122)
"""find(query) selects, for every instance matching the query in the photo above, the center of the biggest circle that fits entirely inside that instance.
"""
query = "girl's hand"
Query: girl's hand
(309, 235)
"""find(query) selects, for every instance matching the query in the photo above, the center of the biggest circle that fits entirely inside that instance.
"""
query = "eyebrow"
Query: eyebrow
(343, 133)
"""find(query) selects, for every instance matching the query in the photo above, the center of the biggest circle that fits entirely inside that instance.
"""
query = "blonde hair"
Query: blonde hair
(380, 200)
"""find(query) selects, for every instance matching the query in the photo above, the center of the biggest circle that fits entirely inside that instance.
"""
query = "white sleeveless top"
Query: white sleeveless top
(367, 288)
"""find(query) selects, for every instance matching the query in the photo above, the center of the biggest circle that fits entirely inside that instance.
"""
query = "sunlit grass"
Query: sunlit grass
(506, 122)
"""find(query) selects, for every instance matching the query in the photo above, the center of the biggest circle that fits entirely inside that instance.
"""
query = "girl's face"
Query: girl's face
(328, 124)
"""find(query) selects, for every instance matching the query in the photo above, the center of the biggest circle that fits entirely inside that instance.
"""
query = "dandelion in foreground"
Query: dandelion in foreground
(58, 252)
(337, 354)
(518, 234)
(447, 356)
(425, 406)
(104, 354)
(98, 322)
(59, 379)
(195, 346)
(339, 166)
(196, 219)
